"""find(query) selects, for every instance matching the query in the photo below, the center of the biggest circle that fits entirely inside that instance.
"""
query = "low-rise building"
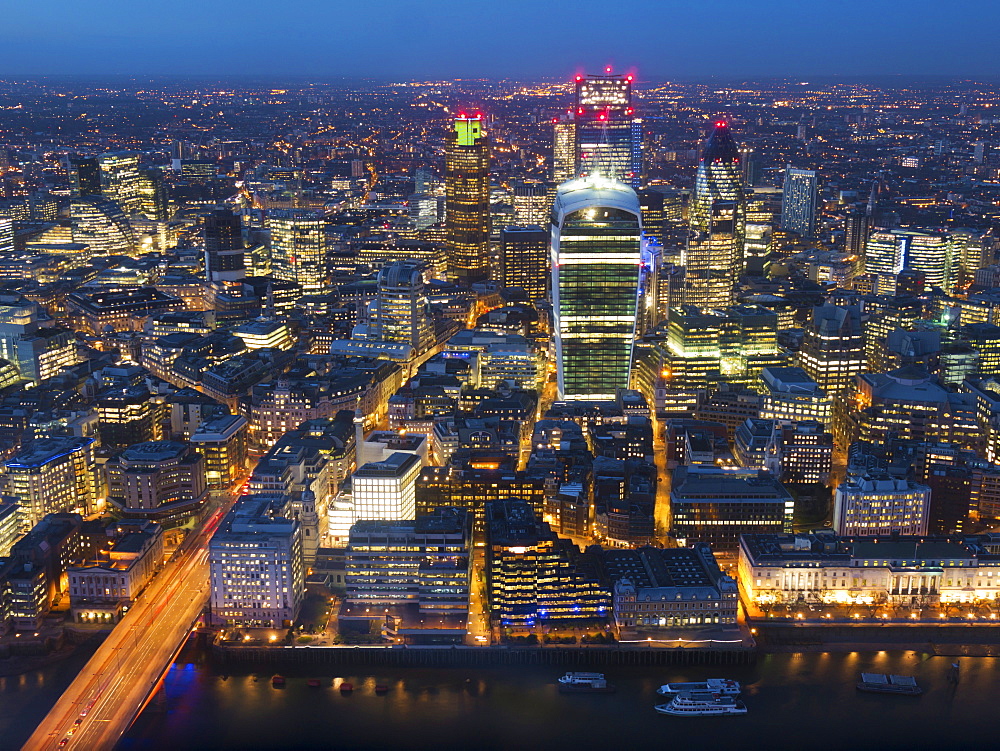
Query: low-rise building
(102, 589)
(668, 588)
(53, 475)
(415, 574)
(826, 568)
(717, 505)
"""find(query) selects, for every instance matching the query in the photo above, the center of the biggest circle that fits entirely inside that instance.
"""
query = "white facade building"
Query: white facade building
(386, 489)
(881, 505)
(256, 567)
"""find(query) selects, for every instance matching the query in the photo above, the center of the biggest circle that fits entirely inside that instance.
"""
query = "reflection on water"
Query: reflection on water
(795, 701)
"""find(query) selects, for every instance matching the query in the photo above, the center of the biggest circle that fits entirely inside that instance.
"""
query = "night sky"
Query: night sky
(409, 39)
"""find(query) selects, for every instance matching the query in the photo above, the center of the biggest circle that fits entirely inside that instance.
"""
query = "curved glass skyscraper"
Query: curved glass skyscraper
(713, 259)
(596, 266)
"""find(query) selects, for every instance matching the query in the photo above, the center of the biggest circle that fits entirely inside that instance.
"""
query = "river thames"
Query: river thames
(795, 701)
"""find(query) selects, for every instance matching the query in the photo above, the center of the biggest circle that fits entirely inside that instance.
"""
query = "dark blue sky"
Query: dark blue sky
(522, 38)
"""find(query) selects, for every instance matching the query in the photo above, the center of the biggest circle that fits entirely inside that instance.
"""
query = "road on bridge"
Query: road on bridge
(112, 687)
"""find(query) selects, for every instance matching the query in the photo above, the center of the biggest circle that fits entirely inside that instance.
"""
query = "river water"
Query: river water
(795, 701)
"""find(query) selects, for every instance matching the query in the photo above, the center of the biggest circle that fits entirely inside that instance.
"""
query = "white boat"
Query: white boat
(701, 704)
(720, 686)
(585, 682)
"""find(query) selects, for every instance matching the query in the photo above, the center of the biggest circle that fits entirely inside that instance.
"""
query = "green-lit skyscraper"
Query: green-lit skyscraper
(713, 259)
(467, 199)
(597, 279)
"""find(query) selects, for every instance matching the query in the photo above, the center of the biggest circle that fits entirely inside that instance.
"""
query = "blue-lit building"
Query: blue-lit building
(597, 274)
(535, 577)
(799, 201)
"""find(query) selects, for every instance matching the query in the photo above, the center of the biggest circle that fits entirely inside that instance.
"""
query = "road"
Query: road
(99, 704)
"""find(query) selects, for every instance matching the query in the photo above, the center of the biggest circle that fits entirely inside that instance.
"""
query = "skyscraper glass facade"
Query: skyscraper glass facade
(713, 258)
(298, 247)
(596, 266)
(799, 201)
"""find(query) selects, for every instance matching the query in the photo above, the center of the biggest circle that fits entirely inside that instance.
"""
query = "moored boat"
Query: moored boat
(594, 683)
(346, 688)
(720, 686)
(880, 683)
(278, 680)
(701, 704)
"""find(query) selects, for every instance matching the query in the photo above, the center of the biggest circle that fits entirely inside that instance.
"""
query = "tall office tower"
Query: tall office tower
(799, 201)
(651, 203)
(608, 134)
(934, 254)
(597, 257)
(751, 167)
(532, 204)
(524, 252)
(153, 195)
(298, 247)
(467, 199)
(833, 347)
(84, 176)
(563, 148)
(855, 233)
(120, 180)
(224, 249)
(400, 312)
(101, 224)
(713, 258)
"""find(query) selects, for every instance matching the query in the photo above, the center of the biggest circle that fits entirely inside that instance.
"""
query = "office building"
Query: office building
(799, 201)
(152, 191)
(656, 589)
(608, 134)
(533, 577)
(935, 255)
(855, 233)
(524, 253)
(162, 481)
(716, 505)
(880, 505)
(224, 247)
(563, 148)
(386, 489)
(833, 347)
(713, 258)
(467, 199)
(84, 176)
(596, 269)
(298, 247)
(265, 333)
(120, 180)
(401, 313)
(101, 224)
(532, 204)
(53, 475)
(803, 453)
(10, 524)
(791, 395)
(222, 442)
(257, 573)
(413, 574)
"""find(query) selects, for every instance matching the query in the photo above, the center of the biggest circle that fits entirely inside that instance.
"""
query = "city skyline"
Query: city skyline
(775, 38)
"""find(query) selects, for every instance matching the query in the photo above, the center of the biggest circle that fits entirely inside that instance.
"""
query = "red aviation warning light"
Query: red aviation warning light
(629, 78)
(579, 77)
(607, 69)
(720, 123)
